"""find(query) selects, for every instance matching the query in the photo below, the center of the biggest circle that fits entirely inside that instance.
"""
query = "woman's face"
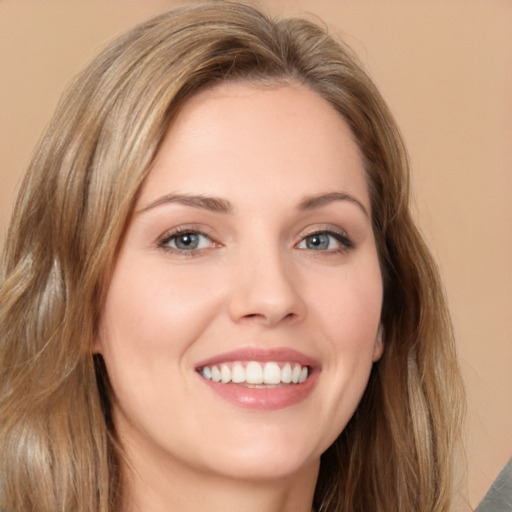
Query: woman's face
(243, 314)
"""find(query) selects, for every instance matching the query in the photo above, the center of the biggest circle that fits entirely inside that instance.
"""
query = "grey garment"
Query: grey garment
(499, 496)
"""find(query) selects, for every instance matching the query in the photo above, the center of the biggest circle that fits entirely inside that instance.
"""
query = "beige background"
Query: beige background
(445, 67)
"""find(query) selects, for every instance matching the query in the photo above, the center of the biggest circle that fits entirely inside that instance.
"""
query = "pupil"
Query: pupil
(318, 242)
(187, 241)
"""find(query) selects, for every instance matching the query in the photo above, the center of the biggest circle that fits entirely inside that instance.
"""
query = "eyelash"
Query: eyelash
(176, 233)
(341, 238)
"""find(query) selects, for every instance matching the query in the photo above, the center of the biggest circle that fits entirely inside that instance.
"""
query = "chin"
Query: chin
(268, 454)
(268, 468)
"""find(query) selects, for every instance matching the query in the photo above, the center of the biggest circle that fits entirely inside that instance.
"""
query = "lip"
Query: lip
(279, 355)
(263, 399)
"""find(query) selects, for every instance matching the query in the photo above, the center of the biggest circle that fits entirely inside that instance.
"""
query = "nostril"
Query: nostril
(268, 319)
(253, 316)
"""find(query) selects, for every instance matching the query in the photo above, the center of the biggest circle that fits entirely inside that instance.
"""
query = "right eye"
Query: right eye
(186, 241)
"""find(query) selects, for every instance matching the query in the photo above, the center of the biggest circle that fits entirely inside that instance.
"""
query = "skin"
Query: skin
(254, 280)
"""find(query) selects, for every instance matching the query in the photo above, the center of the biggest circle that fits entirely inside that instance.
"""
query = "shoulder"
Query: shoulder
(499, 496)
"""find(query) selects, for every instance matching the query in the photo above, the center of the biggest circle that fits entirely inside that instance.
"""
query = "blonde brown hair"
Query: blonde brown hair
(58, 450)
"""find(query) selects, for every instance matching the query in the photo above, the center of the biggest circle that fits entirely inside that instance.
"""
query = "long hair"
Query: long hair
(58, 449)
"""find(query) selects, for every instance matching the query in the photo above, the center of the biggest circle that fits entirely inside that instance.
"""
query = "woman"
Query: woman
(212, 280)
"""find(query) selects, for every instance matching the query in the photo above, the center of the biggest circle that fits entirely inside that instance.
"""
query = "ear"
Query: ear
(378, 347)
(97, 345)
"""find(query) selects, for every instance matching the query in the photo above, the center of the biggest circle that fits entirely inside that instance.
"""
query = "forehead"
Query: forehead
(236, 138)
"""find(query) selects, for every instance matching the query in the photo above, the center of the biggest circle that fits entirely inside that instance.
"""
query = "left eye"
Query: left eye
(187, 241)
(323, 241)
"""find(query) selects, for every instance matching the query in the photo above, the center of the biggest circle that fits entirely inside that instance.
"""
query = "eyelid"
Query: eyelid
(339, 234)
(168, 235)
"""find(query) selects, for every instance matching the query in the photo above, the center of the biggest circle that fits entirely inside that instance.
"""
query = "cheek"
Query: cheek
(150, 320)
(351, 308)
(348, 315)
(156, 306)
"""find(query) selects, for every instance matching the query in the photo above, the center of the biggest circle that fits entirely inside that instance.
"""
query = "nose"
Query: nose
(266, 290)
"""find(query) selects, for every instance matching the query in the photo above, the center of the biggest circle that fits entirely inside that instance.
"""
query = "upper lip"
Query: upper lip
(260, 354)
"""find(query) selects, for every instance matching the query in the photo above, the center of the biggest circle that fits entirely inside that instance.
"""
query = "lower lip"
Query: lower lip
(264, 399)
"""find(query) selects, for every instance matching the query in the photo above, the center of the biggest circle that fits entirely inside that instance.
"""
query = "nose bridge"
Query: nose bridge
(265, 287)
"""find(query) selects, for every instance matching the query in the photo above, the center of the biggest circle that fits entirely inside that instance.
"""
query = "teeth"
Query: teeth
(286, 373)
(216, 375)
(237, 374)
(225, 374)
(255, 373)
(295, 373)
(272, 373)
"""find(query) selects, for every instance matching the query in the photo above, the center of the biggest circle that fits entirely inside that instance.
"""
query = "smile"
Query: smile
(260, 379)
(255, 373)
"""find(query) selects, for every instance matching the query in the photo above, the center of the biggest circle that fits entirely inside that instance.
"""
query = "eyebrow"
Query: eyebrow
(213, 204)
(219, 205)
(318, 200)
